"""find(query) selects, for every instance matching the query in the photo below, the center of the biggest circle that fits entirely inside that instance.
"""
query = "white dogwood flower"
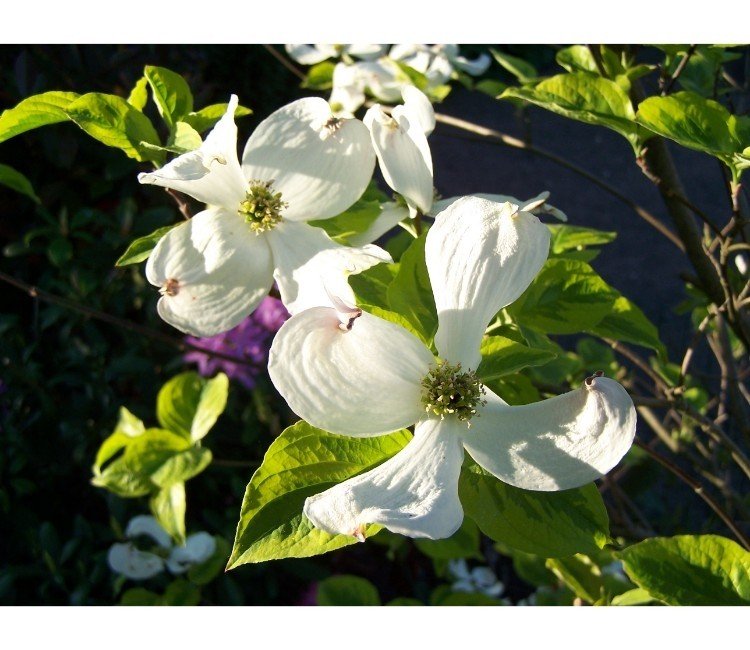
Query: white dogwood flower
(437, 62)
(311, 54)
(351, 373)
(479, 580)
(300, 164)
(127, 559)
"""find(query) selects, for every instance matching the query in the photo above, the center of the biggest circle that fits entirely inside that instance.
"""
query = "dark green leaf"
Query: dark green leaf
(550, 524)
(205, 572)
(15, 180)
(691, 569)
(115, 123)
(522, 70)
(371, 286)
(464, 543)
(626, 322)
(566, 238)
(347, 591)
(140, 249)
(301, 462)
(35, 111)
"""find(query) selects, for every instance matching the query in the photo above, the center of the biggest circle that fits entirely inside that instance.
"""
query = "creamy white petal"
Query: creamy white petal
(536, 205)
(362, 381)
(415, 493)
(403, 154)
(321, 164)
(472, 66)
(310, 54)
(147, 525)
(127, 560)
(556, 444)
(391, 214)
(366, 52)
(384, 78)
(402, 51)
(348, 92)
(419, 108)
(480, 256)
(198, 548)
(212, 272)
(309, 265)
(211, 174)
(439, 71)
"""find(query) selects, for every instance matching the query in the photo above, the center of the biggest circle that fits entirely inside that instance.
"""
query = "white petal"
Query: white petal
(198, 548)
(480, 256)
(459, 569)
(536, 205)
(403, 51)
(310, 265)
(320, 164)
(210, 174)
(439, 71)
(419, 108)
(384, 78)
(391, 214)
(403, 154)
(473, 67)
(212, 270)
(366, 52)
(147, 525)
(127, 560)
(310, 54)
(556, 444)
(348, 92)
(364, 381)
(415, 493)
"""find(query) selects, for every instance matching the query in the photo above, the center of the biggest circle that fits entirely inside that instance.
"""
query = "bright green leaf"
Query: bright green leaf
(585, 578)
(168, 506)
(319, 76)
(301, 462)
(566, 297)
(690, 569)
(550, 524)
(181, 466)
(207, 117)
(371, 286)
(347, 590)
(357, 219)
(139, 95)
(566, 238)
(633, 597)
(115, 123)
(626, 322)
(15, 180)
(522, 70)
(140, 249)
(171, 94)
(501, 356)
(35, 111)
(189, 405)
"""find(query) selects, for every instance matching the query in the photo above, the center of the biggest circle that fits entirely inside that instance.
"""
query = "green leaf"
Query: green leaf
(168, 506)
(464, 543)
(698, 123)
(129, 424)
(35, 111)
(207, 117)
(566, 238)
(319, 76)
(115, 123)
(139, 95)
(550, 524)
(491, 87)
(181, 467)
(371, 286)
(205, 572)
(626, 322)
(633, 597)
(181, 592)
(348, 591)
(140, 249)
(128, 427)
(690, 569)
(586, 579)
(15, 180)
(586, 98)
(171, 94)
(443, 596)
(410, 293)
(501, 356)
(357, 219)
(566, 297)
(184, 138)
(301, 462)
(522, 70)
(138, 596)
(189, 405)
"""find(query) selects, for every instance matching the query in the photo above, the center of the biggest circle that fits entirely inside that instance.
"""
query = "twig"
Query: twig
(282, 59)
(632, 356)
(678, 70)
(698, 489)
(483, 134)
(181, 345)
(181, 203)
(691, 348)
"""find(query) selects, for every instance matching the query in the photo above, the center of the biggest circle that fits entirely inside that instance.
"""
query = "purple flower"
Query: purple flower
(250, 341)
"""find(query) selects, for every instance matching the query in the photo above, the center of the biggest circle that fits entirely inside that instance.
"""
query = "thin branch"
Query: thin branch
(283, 60)
(678, 70)
(685, 365)
(698, 489)
(483, 134)
(181, 203)
(156, 335)
(632, 356)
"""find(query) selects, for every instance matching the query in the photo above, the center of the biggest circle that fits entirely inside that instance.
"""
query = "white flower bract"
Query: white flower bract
(364, 380)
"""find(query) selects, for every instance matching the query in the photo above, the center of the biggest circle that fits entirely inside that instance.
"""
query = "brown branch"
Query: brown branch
(181, 203)
(156, 335)
(479, 133)
(698, 489)
(282, 59)
(678, 70)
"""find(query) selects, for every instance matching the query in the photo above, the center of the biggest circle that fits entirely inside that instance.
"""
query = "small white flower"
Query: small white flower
(312, 54)
(198, 548)
(437, 62)
(300, 164)
(479, 580)
(372, 377)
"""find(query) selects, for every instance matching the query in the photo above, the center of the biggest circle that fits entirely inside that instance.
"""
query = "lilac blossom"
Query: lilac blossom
(250, 340)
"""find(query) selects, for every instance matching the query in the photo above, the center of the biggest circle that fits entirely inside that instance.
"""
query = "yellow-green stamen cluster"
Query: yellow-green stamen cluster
(446, 390)
(262, 206)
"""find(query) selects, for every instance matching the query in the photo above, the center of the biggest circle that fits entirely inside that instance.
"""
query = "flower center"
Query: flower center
(446, 390)
(262, 206)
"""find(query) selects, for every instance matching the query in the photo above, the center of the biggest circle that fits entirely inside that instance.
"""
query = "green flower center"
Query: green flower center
(446, 390)
(262, 206)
